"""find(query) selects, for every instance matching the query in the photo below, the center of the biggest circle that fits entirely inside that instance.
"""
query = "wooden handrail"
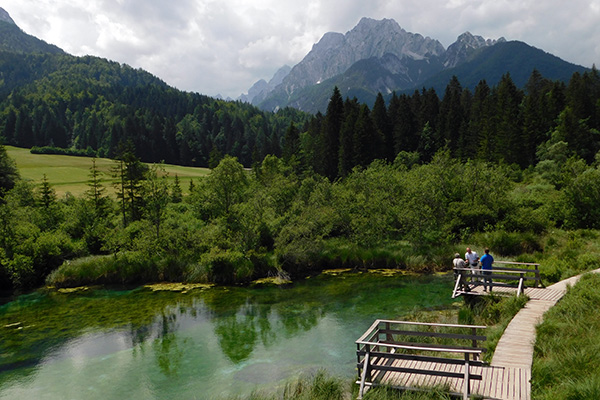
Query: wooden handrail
(371, 351)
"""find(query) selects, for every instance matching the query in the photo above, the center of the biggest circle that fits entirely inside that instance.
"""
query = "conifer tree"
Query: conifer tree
(331, 134)
(176, 192)
(346, 153)
(382, 124)
(47, 193)
(96, 192)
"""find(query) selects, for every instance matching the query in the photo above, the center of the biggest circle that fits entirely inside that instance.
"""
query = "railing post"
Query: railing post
(467, 388)
(474, 333)
(537, 276)
(458, 281)
(520, 289)
(365, 372)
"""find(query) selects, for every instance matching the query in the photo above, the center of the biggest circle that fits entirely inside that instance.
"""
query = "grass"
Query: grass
(71, 173)
(321, 386)
(566, 362)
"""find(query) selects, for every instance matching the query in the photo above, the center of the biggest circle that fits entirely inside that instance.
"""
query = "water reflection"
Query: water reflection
(165, 345)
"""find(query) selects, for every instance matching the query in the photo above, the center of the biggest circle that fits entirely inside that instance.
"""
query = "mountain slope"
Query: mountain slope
(13, 39)
(379, 56)
(50, 98)
(514, 57)
(335, 53)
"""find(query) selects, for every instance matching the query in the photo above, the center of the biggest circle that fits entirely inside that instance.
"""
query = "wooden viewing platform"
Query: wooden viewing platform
(382, 359)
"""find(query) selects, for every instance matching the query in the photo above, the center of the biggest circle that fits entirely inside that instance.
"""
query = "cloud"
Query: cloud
(224, 46)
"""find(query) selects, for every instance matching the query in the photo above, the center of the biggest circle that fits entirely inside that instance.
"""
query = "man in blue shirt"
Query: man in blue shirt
(486, 265)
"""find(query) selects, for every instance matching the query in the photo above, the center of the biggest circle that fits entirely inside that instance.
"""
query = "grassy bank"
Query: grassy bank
(321, 386)
(566, 363)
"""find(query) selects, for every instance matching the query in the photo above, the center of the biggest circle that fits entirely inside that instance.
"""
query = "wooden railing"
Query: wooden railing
(387, 346)
(498, 276)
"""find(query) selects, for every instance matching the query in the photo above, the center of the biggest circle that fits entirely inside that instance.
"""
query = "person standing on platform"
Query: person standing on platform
(472, 260)
(460, 264)
(486, 266)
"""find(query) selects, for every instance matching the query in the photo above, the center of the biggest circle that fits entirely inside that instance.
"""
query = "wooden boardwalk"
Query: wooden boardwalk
(496, 383)
(509, 374)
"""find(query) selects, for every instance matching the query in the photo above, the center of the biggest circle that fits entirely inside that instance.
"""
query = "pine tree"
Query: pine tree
(96, 192)
(451, 117)
(130, 172)
(331, 134)
(507, 122)
(47, 193)
(381, 122)
(176, 192)
(346, 159)
(8, 172)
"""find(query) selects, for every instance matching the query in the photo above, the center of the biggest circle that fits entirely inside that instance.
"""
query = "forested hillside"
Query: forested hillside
(547, 122)
(91, 103)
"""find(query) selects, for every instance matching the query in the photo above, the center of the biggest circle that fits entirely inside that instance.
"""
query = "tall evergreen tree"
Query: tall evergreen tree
(96, 192)
(381, 122)
(331, 134)
(8, 172)
(405, 125)
(451, 117)
(507, 122)
(346, 154)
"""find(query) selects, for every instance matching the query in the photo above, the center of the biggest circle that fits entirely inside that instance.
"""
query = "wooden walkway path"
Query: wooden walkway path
(509, 374)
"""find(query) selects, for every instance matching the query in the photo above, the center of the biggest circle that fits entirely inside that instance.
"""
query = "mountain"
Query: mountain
(380, 56)
(55, 100)
(464, 48)
(514, 57)
(336, 52)
(13, 39)
(262, 88)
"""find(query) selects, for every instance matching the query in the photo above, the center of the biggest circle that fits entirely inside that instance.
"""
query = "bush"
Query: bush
(505, 243)
(227, 266)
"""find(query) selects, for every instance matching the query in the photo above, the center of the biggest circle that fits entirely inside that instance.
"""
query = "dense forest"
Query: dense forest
(501, 124)
(397, 185)
(91, 104)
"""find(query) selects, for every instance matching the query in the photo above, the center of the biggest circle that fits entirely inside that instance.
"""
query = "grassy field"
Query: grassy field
(71, 174)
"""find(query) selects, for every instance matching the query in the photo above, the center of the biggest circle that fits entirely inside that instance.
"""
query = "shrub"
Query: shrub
(505, 243)
(227, 266)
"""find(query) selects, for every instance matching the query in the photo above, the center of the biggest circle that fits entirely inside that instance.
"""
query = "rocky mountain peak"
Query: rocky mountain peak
(465, 45)
(4, 16)
(337, 52)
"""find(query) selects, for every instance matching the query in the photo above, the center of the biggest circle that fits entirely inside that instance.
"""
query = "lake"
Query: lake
(203, 344)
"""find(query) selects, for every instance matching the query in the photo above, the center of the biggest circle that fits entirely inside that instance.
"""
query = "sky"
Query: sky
(221, 47)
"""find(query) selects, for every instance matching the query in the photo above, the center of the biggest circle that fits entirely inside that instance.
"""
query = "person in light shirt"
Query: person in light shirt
(472, 260)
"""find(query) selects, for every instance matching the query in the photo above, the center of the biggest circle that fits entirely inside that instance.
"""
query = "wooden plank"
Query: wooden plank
(429, 347)
(431, 324)
(434, 334)
(417, 357)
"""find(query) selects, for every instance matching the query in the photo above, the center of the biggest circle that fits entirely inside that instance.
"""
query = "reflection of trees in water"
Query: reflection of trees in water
(165, 346)
(239, 332)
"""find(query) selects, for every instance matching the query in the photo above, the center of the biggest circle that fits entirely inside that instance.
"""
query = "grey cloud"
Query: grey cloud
(224, 46)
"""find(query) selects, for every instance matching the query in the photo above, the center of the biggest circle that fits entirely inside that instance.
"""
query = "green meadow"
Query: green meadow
(70, 174)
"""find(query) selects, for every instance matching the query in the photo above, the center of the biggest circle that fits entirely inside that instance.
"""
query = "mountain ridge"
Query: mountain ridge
(14, 40)
(406, 61)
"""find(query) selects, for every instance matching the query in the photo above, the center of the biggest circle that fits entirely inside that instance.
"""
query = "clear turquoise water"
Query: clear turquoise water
(216, 343)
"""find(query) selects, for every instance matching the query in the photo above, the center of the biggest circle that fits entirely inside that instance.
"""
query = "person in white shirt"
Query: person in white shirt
(472, 260)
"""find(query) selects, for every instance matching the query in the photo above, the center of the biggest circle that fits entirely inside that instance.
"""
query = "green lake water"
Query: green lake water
(205, 344)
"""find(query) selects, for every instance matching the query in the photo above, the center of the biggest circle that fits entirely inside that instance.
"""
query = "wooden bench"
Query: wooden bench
(390, 352)
(504, 271)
